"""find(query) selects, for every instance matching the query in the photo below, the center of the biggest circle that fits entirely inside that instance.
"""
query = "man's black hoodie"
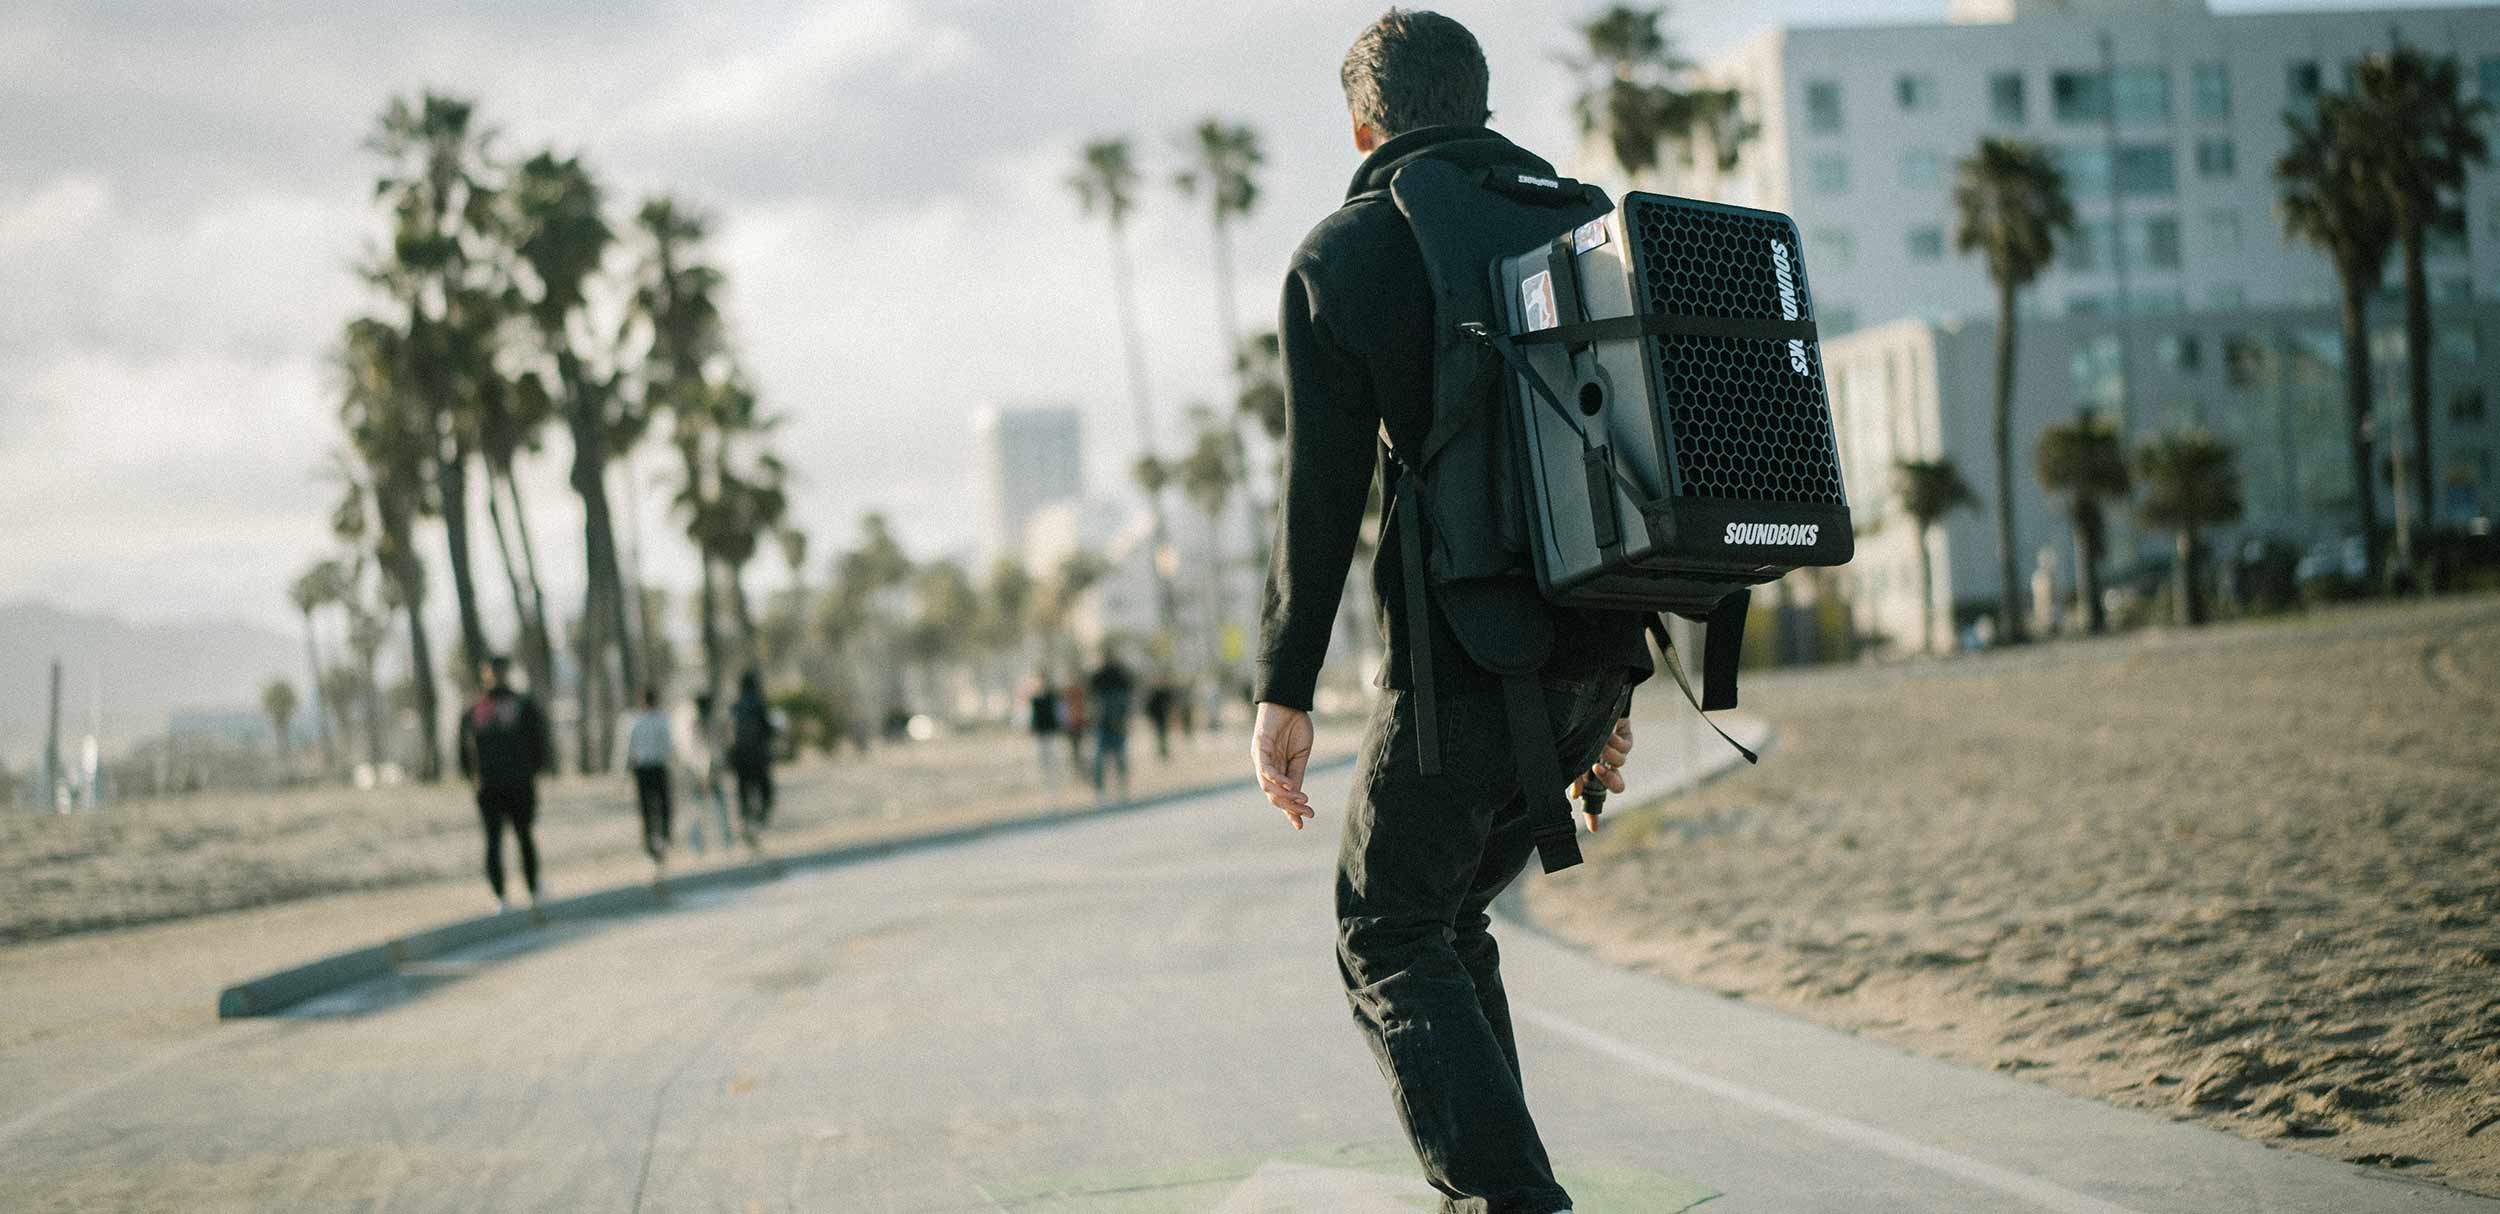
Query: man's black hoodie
(1357, 336)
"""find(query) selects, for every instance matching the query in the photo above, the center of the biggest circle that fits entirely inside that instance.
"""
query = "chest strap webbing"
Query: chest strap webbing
(1541, 780)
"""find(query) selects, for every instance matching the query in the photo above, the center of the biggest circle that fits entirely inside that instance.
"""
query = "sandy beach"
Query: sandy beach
(2248, 876)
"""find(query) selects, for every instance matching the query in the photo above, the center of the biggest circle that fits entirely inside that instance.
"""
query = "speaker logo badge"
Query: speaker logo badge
(1787, 276)
(1589, 235)
(1536, 301)
(1795, 535)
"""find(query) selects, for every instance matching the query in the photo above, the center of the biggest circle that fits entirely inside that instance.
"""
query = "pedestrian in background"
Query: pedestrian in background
(504, 745)
(1109, 695)
(647, 754)
(701, 740)
(1072, 719)
(751, 755)
(1162, 699)
(1042, 718)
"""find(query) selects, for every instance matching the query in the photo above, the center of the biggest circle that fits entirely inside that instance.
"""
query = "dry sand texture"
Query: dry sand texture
(2249, 876)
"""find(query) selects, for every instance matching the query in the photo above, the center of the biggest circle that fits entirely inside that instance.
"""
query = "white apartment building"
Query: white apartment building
(2167, 118)
(1024, 459)
(2178, 300)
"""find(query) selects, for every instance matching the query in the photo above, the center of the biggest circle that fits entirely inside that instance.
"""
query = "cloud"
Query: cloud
(789, 75)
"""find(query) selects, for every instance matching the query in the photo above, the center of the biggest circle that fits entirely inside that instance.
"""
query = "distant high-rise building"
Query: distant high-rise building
(1024, 458)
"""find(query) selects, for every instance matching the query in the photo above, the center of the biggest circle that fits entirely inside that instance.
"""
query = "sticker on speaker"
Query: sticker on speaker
(1589, 235)
(1536, 302)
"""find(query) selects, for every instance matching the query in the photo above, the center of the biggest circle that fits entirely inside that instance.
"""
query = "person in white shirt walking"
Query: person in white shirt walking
(647, 752)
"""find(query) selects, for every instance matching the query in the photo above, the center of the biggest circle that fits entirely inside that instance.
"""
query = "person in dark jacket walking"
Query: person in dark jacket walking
(751, 734)
(1422, 857)
(1110, 693)
(504, 746)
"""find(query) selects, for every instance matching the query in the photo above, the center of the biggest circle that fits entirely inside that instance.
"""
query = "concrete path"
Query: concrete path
(1127, 1015)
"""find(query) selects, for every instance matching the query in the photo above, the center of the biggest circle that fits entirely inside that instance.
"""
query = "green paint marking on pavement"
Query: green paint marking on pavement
(1201, 1187)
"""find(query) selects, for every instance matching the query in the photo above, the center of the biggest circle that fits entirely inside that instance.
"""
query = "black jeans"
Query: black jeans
(516, 805)
(1422, 861)
(755, 797)
(651, 791)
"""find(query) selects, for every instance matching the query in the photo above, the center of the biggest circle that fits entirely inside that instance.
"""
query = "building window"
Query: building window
(1915, 92)
(2096, 370)
(2222, 231)
(2246, 363)
(1823, 106)
(2160, 301)
(1836, 247)
(2142, 94)
(2180, 352)
(1927, 243)
(2213, 91)
(2301, 84)
(2454, 290)
(2086, 248)
(2007, 102)
(1829, 173)
(2147, 169)
(2437, 243)
(2079, 96)
(2487, 71)
(2086, 303)
(2226, 297)
(2086, 169)
(2153, 242)
(1922, 169)
(2466, 407)
(2455, 343)
(2215, 157)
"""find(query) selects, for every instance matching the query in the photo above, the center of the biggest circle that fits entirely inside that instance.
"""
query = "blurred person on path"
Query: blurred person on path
(1042, 718)
(1160, 699)
(648, 748)
(504, 746)
(1072, 719)
(751, 733)
(702, 738)
(1422, 856)
(1110, 694)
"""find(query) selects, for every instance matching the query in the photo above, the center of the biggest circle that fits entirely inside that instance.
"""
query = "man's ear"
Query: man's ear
(1365, 137)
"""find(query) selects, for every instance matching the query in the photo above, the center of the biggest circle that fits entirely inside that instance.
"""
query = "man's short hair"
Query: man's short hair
(500, 664)
(1413, 69)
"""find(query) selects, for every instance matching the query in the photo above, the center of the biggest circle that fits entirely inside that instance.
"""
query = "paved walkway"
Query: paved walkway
(1128, 1015)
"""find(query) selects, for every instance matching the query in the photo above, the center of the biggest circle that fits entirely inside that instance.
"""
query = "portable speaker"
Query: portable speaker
(1675, 427)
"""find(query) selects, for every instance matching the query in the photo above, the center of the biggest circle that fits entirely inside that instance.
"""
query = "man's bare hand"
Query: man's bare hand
(1280, 751)
(1608, 769)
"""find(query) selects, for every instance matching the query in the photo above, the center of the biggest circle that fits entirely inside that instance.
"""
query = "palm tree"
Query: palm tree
(2011, 200)
(857, 617)
(394, 436)
(947, 611)
(1639, 95)
(2418, 134)
(2085, 462)
(1930, 490)
(1224, 158)
(1207, 476)
(675, 298)
(2191, 482)
(1058, 596)
(441, 202)
(2329, 203)
(1105, 183)
(1259, 370)
(1007, 601)
(510, 416)
(319, 586)
(557, 230)
(277, 701)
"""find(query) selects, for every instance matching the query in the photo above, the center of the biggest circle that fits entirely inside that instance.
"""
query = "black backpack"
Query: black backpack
(1483, 541)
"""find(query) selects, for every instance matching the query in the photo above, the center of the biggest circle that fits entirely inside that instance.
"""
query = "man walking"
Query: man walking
(504, 745)
(1109, 695)
(702, 743)
(751, 756)
(647, 752)
(1427, 845)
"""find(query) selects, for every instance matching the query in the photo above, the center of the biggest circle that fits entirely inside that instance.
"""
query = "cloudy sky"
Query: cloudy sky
(182, 196)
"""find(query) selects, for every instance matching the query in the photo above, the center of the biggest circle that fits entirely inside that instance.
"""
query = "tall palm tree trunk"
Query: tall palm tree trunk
(542, 639)
(1926, 594)
(2009, 599)
(534, 657)
(742, 613)
(2356, 333)
(421, 673)
(2088, 566)
(604, 615)
(2418, 377)
(2191, 607)
(320, 700)
(451, 480)
(1133, 341)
